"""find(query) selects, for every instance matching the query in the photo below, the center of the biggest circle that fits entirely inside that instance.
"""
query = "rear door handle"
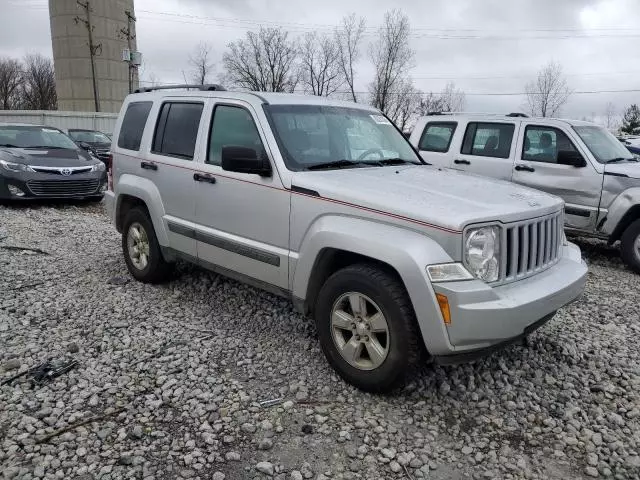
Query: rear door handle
(148, 165)
(525, 168)
(204, 178)
(462, 162)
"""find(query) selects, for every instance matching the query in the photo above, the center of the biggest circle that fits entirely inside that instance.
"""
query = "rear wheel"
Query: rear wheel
(630, 248)
(367, 328)
(141, 248)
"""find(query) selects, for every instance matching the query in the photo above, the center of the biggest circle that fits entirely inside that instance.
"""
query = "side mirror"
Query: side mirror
(84, 146)
(245, 160)
(571, 158)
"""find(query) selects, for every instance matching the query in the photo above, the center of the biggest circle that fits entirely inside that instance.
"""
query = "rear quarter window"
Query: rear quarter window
(133, 123)
(437, 136)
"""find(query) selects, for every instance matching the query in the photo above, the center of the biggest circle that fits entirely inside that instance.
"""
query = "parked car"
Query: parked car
(92, 140)
(42, 162)
(385, 252)
(633, 148)
(583, 163)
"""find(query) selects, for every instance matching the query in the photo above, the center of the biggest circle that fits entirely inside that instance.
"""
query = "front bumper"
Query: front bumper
(483, 317)
(36, 185)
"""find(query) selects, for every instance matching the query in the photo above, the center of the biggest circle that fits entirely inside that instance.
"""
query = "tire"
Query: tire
(155, 269)
(383, 291)
(630, 248)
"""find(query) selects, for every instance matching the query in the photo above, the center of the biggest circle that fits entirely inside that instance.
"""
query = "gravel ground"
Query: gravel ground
(170, 379)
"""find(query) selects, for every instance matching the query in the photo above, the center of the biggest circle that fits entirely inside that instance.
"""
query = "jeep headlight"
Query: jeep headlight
(482, 252)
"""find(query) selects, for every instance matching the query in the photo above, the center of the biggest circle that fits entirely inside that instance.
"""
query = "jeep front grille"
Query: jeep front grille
(530, 246)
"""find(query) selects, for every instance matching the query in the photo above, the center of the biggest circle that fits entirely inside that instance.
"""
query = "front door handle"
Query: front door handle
(462, 162)
(525, 168)
(148, 165)
(198, 177)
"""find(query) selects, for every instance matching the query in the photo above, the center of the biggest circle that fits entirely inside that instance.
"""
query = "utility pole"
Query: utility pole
(126, 32)
(93, 49)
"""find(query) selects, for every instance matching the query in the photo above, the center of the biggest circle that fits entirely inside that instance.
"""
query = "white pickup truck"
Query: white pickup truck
(598, 178)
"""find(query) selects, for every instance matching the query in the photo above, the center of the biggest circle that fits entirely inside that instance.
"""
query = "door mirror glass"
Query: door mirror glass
(245, 160)
(572, 158)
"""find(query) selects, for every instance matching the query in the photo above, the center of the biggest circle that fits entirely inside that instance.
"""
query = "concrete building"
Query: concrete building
(72, 59)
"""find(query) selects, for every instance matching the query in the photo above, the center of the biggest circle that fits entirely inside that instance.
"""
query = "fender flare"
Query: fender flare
(614, 224)
(408, 252)
(146, 191)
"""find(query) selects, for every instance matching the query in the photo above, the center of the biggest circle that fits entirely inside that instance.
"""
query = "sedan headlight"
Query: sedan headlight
(482, 253)
(98, 167)
(15, 167)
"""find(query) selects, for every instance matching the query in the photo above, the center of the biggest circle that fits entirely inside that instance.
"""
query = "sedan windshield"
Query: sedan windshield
(604, 146)
(89, 136)
(34, 137)
(315, 137)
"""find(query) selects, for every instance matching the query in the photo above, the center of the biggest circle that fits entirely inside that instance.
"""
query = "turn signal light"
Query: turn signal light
(443, 302)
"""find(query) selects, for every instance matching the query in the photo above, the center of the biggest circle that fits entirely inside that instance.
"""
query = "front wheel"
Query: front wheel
(141, 249)
(367, 327)
(630, 248)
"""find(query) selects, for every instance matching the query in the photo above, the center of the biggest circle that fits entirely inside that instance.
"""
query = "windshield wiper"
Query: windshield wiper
(396, 161)
(621, 159)
(47, 147)
(8, 145)
(338, 164)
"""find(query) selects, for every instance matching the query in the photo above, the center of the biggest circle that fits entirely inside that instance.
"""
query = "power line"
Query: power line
(302, 28)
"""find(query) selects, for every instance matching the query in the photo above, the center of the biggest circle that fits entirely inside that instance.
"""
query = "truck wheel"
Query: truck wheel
(141, 249)
(630, 248)
(367, 328)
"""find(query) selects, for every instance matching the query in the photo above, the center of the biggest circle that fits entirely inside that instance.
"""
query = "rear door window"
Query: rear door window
(177, 129)
(437, 136)
(488, 139)
(133, 123)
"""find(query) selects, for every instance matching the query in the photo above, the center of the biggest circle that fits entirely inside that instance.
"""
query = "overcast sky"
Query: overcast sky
(505, 41)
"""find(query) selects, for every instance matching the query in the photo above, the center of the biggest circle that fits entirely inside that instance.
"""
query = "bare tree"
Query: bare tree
(200, 61)
(38, 88)
(263, 61)
(549, 92)
(392, 58)
(611, 116)
(403, 103)
(10, 79)
(429, 103)
(348, 37)
(321, 73)
(453, 99)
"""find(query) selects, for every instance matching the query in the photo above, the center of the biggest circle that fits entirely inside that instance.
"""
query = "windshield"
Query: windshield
(89, 136)
(30, 137)
(604, 146)
(314, 135)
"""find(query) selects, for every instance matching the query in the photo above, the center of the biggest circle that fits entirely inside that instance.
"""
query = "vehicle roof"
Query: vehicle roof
(257, 98)
(508, 118)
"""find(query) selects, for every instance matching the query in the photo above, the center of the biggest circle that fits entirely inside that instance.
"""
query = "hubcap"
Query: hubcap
(138, 246)
(360, 331)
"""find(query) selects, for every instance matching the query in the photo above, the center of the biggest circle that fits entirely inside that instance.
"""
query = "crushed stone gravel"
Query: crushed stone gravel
(170, 378)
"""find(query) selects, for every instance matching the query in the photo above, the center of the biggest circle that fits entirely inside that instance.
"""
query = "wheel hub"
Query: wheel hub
(360, 331)
(138, 246)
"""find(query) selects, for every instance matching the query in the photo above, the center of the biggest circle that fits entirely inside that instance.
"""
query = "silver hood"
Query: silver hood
(429, 194)
(630, 169)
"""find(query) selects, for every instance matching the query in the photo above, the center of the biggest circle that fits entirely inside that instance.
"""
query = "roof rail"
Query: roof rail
(518, 114)
(514, 114)
(205, 88)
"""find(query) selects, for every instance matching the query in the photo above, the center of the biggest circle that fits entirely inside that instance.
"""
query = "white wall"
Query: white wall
(103, 122)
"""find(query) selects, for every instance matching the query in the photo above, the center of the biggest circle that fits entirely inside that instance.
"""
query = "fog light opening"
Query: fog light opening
(443, 302)
(15, 191)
